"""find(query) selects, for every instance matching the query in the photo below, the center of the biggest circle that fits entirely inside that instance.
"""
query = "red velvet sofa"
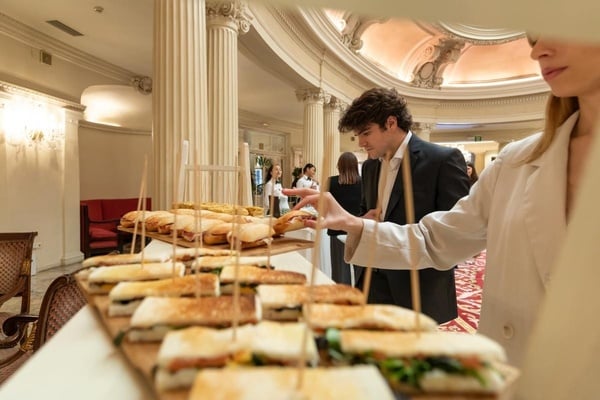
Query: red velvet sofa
(99, 219)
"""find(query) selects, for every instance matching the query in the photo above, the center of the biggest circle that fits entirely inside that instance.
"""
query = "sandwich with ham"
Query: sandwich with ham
(348, 383)
(292, 221)
(249, 277)
(435, 363)
(156, 316)
(102, 279)
(216, 263)
(284, 302)
(184, 352)
(251, 235)
(125, 297)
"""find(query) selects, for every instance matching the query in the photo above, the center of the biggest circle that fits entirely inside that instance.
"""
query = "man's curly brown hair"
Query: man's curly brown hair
(375, 106)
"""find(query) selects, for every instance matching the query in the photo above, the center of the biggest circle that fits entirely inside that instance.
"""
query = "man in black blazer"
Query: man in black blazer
(381, 121)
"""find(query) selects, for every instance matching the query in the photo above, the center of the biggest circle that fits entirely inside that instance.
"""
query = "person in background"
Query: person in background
(274, 188)
(519, 209)
(472, 172)
(346, 189)
(308, 179)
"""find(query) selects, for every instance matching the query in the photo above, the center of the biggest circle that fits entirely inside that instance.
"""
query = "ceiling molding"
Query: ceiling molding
(113, 129)
(8, 90)
(250, 120)
(41, 41)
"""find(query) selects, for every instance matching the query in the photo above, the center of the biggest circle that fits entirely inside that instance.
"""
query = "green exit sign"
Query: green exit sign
(477, 138)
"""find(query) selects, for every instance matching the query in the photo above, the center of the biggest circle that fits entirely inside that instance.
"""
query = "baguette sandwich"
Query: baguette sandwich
(386, 317)
(292, 221)
(249, 277)
(129, 219)
(187, 254)
(284, 302)
(184, 352)
(348, 383)
(427, 362)
(127, 296)
(251, 235)
(102, 279)
(156, 316)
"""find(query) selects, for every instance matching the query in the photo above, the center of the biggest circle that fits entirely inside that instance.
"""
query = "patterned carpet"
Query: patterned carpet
(469, 283)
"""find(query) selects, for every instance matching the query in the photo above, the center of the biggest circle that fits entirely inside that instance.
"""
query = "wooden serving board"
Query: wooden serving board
(279, 245)
(141, 357)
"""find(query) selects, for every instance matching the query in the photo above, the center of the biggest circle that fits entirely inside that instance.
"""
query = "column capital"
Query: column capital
(315, 95)
(335, 104)
(236, 12)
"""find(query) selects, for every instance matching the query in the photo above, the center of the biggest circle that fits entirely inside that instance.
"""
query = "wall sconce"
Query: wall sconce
(27, 122)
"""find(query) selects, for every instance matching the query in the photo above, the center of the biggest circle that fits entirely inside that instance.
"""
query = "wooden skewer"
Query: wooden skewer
(410, 219)
(270, 242)
(139, 207)
(313, 271)
(198, 221)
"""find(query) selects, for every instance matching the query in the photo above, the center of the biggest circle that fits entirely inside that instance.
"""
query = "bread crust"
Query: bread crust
(291, 221)
(278, 296)
(255, 275)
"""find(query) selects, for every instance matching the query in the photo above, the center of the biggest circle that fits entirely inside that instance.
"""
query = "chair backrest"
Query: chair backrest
(61, 301)
(15, 267)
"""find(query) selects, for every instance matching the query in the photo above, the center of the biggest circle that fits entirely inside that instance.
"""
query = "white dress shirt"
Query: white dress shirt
(388, 174)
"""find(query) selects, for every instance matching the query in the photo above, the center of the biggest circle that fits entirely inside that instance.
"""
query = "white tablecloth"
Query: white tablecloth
(80, 362)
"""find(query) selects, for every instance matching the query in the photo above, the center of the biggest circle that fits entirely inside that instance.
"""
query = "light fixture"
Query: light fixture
(27, 122)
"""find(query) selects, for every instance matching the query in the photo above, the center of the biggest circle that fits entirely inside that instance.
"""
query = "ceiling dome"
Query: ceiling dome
(437, 55)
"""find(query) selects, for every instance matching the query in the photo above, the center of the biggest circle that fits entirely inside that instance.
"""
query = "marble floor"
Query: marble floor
(39, 284)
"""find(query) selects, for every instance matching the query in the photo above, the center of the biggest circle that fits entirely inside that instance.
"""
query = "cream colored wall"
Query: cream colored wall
(111, 161)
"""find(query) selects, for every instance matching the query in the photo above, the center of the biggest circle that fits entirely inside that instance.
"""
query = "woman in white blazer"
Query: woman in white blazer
(518, 210)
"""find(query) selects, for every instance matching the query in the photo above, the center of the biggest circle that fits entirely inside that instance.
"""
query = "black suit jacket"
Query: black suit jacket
(439, 179)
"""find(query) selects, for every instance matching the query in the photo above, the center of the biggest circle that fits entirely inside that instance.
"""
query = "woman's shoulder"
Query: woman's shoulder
(520, 149)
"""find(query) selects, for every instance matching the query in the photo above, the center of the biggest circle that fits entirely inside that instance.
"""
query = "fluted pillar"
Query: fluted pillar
(224, 21)
(423, 130)
(179, 94)
(313, 99)
(331, 117)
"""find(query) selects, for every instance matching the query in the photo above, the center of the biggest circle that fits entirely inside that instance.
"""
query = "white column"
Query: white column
(423, 130)
(179, 93)
(331, 118)
(224, 21)
(313, 99)
(71, 252)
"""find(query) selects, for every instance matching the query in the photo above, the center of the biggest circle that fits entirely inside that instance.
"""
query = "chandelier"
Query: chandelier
(30, 123)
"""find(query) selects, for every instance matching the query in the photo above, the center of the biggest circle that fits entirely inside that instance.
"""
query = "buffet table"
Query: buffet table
(80, 362)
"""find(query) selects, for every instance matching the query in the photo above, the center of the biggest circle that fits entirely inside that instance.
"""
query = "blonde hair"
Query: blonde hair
(558, 109)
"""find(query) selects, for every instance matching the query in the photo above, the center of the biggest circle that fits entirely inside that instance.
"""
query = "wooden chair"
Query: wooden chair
(15, 278)
(61, 302)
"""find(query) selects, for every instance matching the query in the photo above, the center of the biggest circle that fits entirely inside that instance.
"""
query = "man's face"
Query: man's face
(311, 172)
(374, 140)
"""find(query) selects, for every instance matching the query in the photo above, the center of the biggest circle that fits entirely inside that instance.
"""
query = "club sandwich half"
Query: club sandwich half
(348, 383)
(184, 352)
(102, 279)
(127, 296)
(156, 316)
(249, 277)
(427, 362)
(284, 302)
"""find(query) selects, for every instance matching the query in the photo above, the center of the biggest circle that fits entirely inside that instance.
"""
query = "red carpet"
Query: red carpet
(469, 283)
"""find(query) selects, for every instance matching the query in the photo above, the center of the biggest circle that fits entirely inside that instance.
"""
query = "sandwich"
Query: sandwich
(216, 263)
(251, 235)
(127, 296)
(176, 222)
(118, 259)
(284, 302)
(217, 234)
(156, 316)
(129, 219)
(187, 254)
(348, 383)
(102, 279)
(184, 352)
(427, 362)
(196, 227)
(386, 317)
(249, 277)
(292, 221)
